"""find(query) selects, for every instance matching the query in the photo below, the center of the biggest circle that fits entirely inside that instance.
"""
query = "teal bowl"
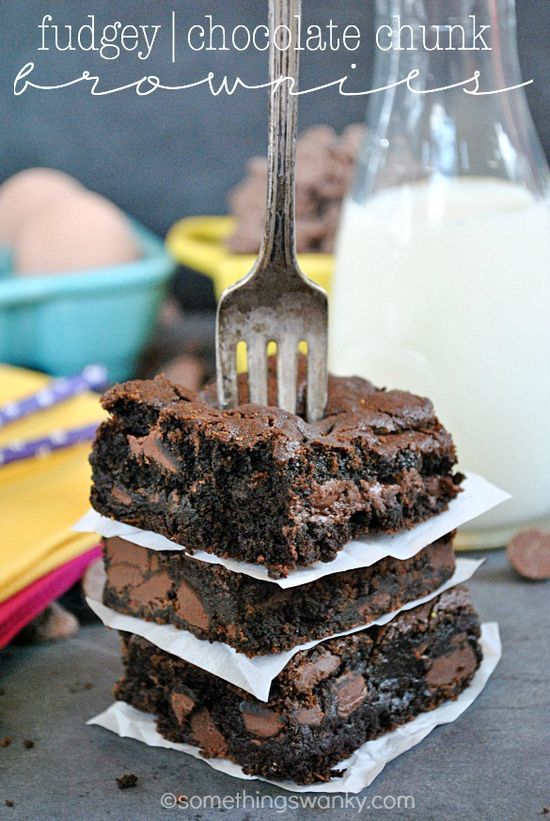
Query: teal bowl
(5, 262)
(60, 323)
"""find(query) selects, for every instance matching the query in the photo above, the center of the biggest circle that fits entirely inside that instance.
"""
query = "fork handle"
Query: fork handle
(279, 242)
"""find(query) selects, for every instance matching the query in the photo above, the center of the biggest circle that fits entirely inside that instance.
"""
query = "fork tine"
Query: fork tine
(257, 369)
(287, 367)
(316, 378)
(226, 369)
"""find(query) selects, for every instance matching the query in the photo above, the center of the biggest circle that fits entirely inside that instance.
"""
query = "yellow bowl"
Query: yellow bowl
(199, 243)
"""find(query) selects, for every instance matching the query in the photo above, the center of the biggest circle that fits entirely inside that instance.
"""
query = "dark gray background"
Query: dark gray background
(163, 157)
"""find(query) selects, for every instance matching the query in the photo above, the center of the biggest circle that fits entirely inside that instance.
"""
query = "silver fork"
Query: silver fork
(275, 302)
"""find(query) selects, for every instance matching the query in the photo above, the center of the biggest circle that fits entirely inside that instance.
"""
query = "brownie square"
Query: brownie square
(325, 704)
(262, 485)
(258, 617)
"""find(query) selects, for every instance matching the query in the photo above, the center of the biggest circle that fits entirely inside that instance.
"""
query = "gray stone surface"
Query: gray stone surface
(490, 764)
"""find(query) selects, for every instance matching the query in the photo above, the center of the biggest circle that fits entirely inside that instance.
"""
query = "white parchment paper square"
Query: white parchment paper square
(361, 767)
(477, 497)
(254, 675)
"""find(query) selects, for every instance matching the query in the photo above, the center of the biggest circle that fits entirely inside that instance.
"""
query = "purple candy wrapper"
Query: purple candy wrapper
(58, 390)
(57, 440)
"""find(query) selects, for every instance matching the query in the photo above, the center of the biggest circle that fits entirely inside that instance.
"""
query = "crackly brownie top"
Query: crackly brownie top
(355, 407)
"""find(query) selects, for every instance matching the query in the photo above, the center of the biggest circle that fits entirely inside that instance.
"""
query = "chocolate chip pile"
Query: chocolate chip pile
(325, 165)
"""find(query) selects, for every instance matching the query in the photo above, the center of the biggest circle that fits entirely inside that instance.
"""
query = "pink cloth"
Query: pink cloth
(20, 609)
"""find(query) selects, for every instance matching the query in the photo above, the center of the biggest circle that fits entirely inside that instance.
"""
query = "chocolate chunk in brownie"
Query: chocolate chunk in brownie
(325, 704)
(262, 485)
(258, 617)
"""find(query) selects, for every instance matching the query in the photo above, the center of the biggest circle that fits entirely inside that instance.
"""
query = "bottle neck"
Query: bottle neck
(432, 126)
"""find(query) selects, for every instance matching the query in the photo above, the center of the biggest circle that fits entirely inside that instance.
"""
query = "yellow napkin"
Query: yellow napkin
(40, 499)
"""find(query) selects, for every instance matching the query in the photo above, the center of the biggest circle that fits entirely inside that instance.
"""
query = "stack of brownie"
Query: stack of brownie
(262, 486)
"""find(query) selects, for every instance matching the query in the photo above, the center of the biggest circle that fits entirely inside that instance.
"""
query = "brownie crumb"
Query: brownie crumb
(5, 742)
(28, 744)
(126, 781)
(9, 803)
(79, 686)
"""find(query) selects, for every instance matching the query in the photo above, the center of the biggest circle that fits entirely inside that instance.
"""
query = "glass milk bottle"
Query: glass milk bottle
(442, 281)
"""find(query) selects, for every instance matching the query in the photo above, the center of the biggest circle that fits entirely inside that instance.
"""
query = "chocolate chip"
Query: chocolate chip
(351, 691)
(190, 607)
(182, 705)
(529, 554)
(28, 744)
(309, 716)
(207, 735)
(124, 782)
(310, 673)
(260, 721)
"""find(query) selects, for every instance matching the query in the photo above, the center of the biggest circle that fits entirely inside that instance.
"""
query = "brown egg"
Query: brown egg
(81, 231)
(27, 192)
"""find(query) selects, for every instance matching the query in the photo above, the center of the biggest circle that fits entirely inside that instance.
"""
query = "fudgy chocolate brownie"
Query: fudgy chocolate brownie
(262, 485)
(257, 617)
(325, 704)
